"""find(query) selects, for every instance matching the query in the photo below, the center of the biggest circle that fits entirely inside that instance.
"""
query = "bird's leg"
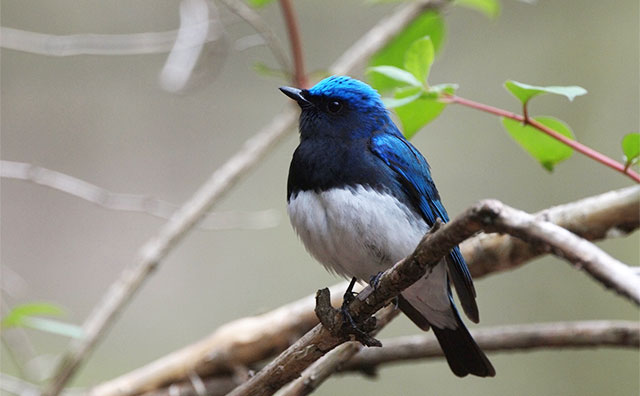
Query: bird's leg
(361, 335)
(349, 294)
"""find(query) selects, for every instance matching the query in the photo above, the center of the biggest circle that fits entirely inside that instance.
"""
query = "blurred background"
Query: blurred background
(107, 120)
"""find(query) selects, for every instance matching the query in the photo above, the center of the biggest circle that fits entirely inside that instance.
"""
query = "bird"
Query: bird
(360, 196)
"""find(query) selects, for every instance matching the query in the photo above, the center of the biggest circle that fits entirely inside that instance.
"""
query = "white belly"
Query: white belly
(355, 231)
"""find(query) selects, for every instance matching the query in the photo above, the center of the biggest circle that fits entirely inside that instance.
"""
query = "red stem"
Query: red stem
(299, 74)
(579, 147)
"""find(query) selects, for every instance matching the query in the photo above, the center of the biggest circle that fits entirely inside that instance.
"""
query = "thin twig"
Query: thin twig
(299, 71)
(245, 12)
(579, 147)
(131, 202)
(98, 44)
(252, 152)
(323, 368)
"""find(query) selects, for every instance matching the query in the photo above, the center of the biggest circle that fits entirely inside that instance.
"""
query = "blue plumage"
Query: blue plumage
(361, 197)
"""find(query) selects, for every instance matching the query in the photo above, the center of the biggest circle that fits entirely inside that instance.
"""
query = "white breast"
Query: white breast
(355, 231)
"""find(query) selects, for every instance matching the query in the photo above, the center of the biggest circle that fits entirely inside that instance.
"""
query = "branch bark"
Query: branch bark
(612, 214)
(587, 334)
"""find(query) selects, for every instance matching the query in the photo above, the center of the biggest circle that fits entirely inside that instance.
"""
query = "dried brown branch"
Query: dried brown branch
(489, 216)
(612, 214)
(587, 334)
(219, 183)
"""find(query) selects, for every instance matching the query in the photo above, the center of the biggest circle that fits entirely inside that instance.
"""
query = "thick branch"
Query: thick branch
(614, 213)
(586, 334)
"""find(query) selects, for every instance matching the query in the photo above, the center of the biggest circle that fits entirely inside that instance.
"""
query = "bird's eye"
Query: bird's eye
(334, 106)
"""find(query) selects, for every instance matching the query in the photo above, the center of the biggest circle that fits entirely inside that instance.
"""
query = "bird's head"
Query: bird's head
(339, 106)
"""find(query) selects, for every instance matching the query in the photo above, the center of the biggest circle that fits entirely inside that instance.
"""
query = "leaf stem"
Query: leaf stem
(579, 147)
(299, 74)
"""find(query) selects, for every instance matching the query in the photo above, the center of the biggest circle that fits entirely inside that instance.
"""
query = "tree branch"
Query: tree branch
(587, 334)
(577, 146)
(219, 183)
(131, 202)
(299, 71)
(612, 214)
(257, 23)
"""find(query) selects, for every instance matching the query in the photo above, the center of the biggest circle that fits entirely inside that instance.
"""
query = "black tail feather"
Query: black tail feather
(463, 354)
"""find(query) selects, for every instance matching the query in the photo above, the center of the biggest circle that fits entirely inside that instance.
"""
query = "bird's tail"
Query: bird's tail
(463, 354)
(428, 303)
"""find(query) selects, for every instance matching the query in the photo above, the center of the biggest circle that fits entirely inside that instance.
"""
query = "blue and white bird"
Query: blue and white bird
(360, 196)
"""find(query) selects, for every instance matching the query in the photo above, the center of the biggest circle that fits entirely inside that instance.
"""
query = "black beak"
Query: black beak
(297, 95)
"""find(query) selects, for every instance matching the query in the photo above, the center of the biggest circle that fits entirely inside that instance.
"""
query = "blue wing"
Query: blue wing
(413, 173)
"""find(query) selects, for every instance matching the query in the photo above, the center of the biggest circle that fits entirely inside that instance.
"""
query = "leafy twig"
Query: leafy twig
(579, 147)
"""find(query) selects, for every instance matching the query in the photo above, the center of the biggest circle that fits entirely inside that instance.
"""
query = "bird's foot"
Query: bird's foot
(341, 322)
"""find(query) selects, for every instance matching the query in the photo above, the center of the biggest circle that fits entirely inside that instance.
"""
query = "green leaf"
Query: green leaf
(525, 92)
(631, 148)
(24, 315)
(491, 8)
(419, 57)
(400, 77)
(428, 24)
(258, 3)
(540, 146)
(419, 112)
(391, 103)
(54, 327)
(17, 315)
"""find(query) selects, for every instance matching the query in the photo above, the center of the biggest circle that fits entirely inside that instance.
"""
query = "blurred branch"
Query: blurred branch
(240, 342)
(587, 334)
(612, 214)
(130, 202)
(250, 16)
(488, 216)
(100, 44)
(219, 183)
(299, 72)
(17, 386)
(189, 52)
